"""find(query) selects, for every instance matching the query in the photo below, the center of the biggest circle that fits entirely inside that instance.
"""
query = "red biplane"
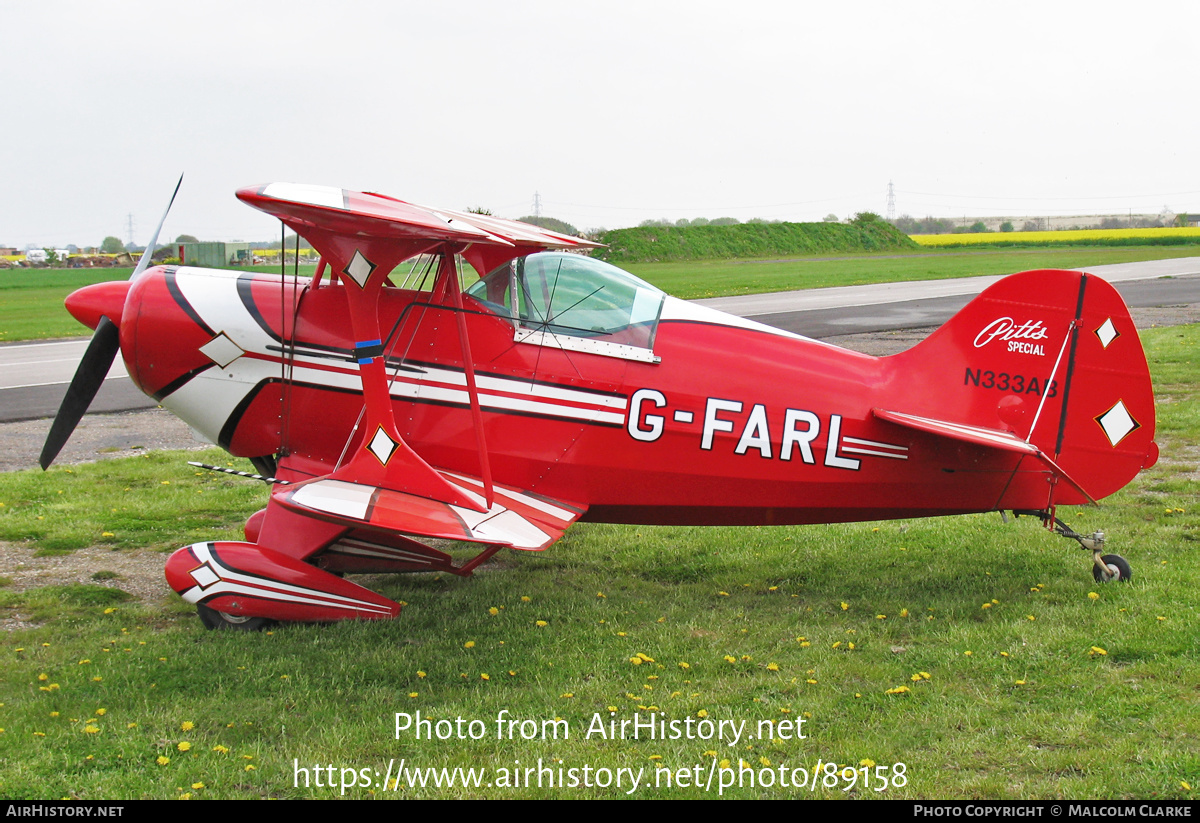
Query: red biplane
(389, 404)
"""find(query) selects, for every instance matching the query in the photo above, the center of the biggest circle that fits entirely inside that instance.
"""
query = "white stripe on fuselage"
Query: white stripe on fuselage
(206, 401)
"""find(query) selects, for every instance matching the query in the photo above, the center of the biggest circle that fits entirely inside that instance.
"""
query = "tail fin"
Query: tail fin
(1053, 358)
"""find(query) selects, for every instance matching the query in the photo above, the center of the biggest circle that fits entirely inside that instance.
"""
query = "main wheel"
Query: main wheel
(1118, 569)
(213, 619)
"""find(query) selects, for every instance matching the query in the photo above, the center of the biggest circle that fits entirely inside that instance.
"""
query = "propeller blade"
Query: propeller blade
(144, 263)
(91, 373)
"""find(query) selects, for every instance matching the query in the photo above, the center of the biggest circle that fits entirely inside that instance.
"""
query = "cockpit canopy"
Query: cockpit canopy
(572, 296)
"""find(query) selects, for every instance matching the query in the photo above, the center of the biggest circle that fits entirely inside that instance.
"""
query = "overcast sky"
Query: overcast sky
(612, 111)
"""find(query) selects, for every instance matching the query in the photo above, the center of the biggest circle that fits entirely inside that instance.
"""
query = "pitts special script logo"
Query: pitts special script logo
(1005, 329)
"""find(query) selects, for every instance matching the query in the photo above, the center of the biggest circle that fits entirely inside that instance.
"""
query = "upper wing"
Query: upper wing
(364, 214)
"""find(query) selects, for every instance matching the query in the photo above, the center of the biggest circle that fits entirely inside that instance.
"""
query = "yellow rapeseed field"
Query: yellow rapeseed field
(1072, 236)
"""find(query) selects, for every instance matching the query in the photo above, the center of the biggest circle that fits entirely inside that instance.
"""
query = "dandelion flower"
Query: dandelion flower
(898, 690)
(601, 595)
(772, 667)
(90, 729)
(485, 676)
(722, 594)
(493, 611)
(197, 785)
(470, 644)
(187, 725)
(684, 665)
(413, 694)
(541, 624)
(525, 598)
(986, 606)
(250, 767)
(1093, 596)
(867, 763)
(845, 605)
(162, 760)
(1096, 650)
(904, 612)
(219, 749)
(702, 713)
(421, 675)
(184, 746)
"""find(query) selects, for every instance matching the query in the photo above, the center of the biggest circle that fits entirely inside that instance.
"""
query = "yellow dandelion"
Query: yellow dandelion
(637, 661)
(837, 645)
(43, 676)
(655, 757)
(850, 646)
(162, 760)
(722, 594)
(804, 644)
(925, 675)
(470, 644)
(413, 694)
(1093, 596)
(54, 714)
(684, 665)
(250, 767)
(986, 606)
(97, 679)
(1030, 617)
(525, 598)
(110, 610)
(729, 658)
(764, 762)
(1096, 650)
(724, 764)
(512, 673)
(219, 749)
(1019, 682)
(1183, 784)
(187, 725)
(811, 682)
(567, 695)
(102, 712)
(184, 746)
(601, 595)
(867, 763)
(485, 676)
(881, 617)
(90, 729)
(967, 653)
(904, 612)
(845, 605)
(772, 667)
(541, 624)
(493, 611)
(421, 675)
(898, 690)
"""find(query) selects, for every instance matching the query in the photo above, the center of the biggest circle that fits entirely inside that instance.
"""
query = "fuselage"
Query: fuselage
(705, 419)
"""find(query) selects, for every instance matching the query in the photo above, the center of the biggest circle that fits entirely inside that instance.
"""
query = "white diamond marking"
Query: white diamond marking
(1117, 423)
(382, 446)
(221, 350)
(360, 268)
(1107, 332)
(204, 576)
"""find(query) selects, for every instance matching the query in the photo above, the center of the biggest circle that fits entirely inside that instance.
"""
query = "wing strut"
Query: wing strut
(449, 289)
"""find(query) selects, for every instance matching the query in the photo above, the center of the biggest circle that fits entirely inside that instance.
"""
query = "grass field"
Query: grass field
(31, 300)
(941, 658)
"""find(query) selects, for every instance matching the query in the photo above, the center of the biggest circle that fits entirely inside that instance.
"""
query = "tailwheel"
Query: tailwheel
(1111, 568)
(213, 619)
(1107, 568)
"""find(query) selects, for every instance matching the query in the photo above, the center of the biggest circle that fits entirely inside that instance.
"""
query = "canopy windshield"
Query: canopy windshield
(572, 295)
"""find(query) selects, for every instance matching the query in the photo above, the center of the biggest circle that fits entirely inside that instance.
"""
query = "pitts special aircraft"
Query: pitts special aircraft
(387, 409)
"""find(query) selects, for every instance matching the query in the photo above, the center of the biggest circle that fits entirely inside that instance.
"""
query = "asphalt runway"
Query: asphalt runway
(34, 376)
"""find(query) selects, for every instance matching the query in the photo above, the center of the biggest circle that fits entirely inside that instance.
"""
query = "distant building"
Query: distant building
(215, 255)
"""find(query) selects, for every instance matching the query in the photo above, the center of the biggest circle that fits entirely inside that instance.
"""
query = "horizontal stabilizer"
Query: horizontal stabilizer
(978, 436)
(516, 519)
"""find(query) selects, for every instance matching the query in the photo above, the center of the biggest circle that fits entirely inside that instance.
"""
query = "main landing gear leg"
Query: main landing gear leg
(1106, 568)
